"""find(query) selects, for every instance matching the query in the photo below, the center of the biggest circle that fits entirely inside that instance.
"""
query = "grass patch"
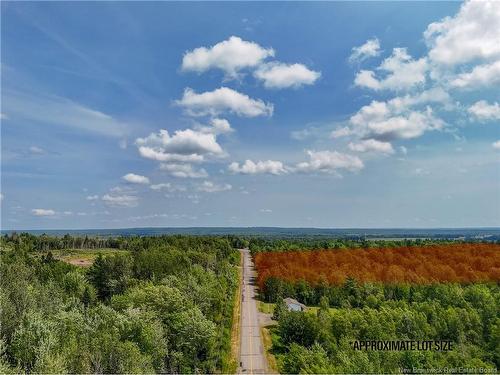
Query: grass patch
(268, 345)
(266, 308)
(83, 257)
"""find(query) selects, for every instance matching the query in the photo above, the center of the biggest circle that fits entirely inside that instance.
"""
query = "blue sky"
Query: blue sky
(120, 114)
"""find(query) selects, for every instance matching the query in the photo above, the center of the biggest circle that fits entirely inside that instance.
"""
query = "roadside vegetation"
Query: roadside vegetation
(152, 304)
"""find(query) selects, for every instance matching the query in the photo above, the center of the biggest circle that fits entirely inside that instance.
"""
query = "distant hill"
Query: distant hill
(368, 233)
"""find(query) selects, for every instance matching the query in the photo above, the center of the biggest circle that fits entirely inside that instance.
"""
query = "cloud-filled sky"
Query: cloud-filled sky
(119, 114)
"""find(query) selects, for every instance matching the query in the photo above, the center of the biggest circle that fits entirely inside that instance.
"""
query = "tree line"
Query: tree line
(165, 306)
(320, 341)
(454, 262)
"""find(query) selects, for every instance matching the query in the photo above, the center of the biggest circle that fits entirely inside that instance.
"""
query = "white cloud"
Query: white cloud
(370, 48)
(421, 172)
(92, 197)
(37, 150)
(266, 210)
(42, 212)
(496, 145)
(330, 162)
(260, 167)
(217, 126)
(157, 154)
(473, 33)
(120, 189)
(231, 56)
(117, 200)
(136, 179)
(382, 120)
(366, 78)
(375, 111)
(433, 95)
(184, 146)
(372, 145)
(277, 75)
(1, 197)
(210, 187)
(183, 170)
(302, 134)
(221, 126)
(223, 100)
(480, 76)
(482, 110)
(411, 126)
(341, 132)
(401, 72)
(403, 150)
(168, 187)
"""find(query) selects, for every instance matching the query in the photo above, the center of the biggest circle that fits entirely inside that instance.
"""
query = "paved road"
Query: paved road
(252, 357)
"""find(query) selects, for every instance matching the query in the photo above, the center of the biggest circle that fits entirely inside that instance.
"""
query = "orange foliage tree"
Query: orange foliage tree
(461, 262)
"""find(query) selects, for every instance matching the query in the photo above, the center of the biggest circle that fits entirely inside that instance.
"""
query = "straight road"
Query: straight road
(252, 357)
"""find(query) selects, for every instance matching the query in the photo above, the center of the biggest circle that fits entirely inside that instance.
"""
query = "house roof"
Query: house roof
(291, 301)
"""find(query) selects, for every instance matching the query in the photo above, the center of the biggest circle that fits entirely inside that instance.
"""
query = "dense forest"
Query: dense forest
(320, 341)
(165, 305)
(458, 262)
(277, 244)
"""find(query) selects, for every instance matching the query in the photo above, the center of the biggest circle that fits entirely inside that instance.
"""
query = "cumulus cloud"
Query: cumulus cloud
(183, 146)
(382, 121)
(329, 162)
(372, 145)
(210, 187)
(409, 126)
(136, 179)
(223, 100)
(92, 197)
(463, 53)
(370, 48)
(400, 72)
(341, 132)
(217, 126)
(480, 76)
(42, 212)
(277, 75)
(260, 167)
(168, 187)
(375, 111)
(183, 170)
(473, 33)
(433, 95)
(230, 55)
(221, 126)
(483, 111)
(120, 200)
(496, 145)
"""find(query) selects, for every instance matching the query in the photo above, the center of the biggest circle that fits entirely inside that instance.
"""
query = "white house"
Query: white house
(294, 305)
